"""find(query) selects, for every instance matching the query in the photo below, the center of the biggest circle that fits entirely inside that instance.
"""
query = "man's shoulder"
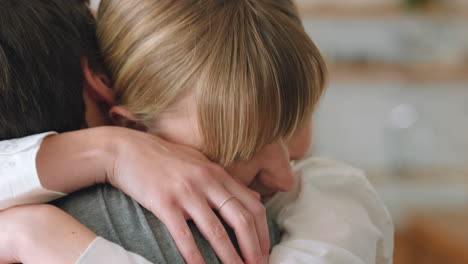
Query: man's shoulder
(113, 215)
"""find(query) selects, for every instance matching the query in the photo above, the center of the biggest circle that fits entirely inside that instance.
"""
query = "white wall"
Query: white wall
(394, 124)
(358, 120)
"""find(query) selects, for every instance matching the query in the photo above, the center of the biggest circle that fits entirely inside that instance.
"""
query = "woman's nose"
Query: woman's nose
(277, 172)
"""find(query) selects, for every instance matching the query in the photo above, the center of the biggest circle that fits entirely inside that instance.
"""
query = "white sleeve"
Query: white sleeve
(332, 216)
(103, 251)
(19, 182)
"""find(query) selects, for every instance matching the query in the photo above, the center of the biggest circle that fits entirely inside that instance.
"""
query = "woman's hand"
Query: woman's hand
(174, 182)
(41, 234)
(178, 183)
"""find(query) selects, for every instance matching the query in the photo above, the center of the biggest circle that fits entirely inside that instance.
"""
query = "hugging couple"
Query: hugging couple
(165, 131)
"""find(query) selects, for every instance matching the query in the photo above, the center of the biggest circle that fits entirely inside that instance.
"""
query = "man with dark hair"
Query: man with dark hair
(41, 81)
(43, 47)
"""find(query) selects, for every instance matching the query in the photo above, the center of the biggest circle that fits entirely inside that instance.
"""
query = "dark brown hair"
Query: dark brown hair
(41, 83)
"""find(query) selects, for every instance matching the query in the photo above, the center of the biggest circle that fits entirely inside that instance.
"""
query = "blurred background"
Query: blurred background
(397, 106)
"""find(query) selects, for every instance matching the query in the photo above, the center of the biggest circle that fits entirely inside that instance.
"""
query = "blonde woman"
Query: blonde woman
(238, 80)
(41, 90)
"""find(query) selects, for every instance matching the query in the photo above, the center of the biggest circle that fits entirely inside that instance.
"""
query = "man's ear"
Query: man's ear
(120, 116)
(98, 85)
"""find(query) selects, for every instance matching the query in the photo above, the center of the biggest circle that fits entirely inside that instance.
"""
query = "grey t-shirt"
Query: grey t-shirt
(116, 217)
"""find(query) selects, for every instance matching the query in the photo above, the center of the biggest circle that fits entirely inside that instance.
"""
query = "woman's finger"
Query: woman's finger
(182, 235)
(243, 223)
(212, 229)
(252, 204)
(253, 244)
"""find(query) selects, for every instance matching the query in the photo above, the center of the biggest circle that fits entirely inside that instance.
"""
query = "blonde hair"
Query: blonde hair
(257, 74)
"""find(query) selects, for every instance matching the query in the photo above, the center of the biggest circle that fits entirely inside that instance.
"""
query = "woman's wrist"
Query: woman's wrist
(71, 161)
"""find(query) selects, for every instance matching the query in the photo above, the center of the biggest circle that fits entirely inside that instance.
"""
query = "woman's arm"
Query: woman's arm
(41, 234)
(45, 234)
(19, 182)
(165, 178)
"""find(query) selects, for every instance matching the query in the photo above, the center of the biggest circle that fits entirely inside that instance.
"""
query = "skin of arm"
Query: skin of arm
(65, 167)
(41, 234)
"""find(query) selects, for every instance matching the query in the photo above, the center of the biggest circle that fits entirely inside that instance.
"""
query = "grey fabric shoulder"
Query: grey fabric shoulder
(116, 217)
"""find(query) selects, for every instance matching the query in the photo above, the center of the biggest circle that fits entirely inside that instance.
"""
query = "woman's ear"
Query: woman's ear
(120, 116)
(98, 85)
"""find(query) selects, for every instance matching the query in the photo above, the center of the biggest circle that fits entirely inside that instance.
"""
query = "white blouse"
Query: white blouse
(19, 182)
(332, 215)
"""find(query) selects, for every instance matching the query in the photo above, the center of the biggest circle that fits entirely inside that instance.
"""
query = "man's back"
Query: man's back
(116, 217)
